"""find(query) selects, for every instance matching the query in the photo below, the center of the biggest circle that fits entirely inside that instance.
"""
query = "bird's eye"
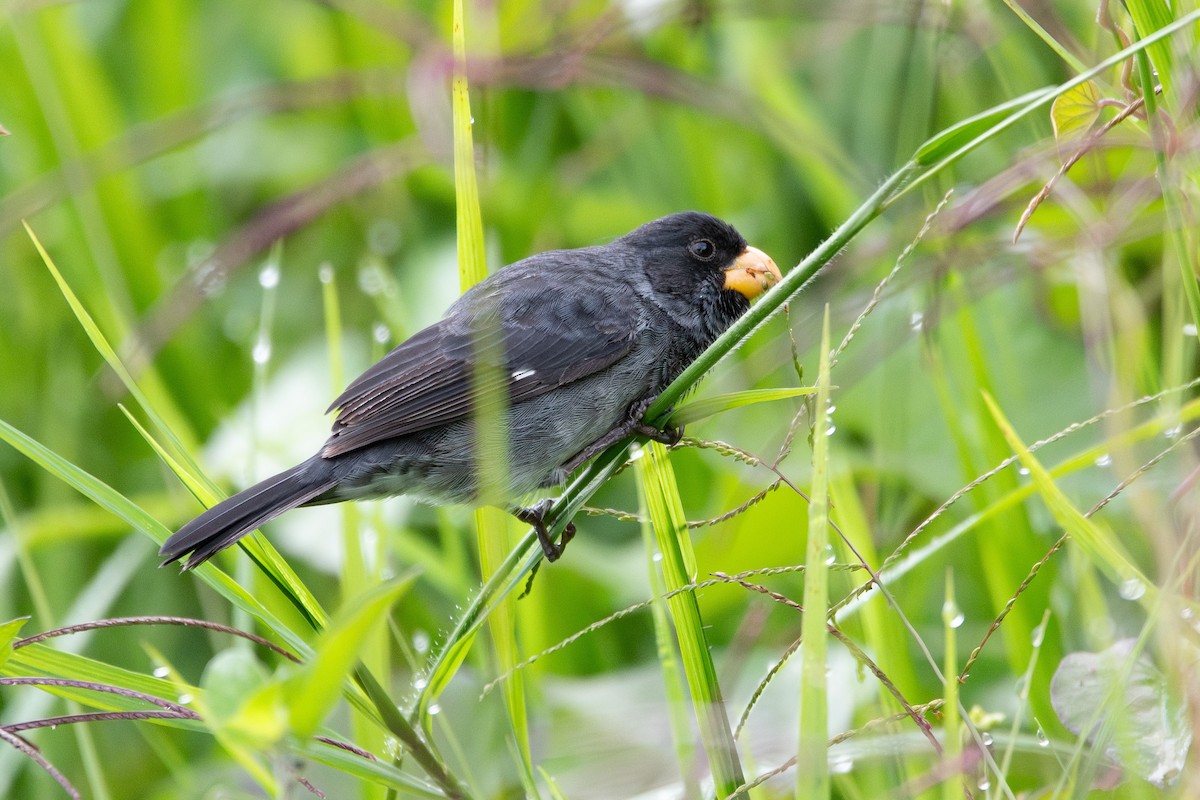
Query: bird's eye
(702, 249)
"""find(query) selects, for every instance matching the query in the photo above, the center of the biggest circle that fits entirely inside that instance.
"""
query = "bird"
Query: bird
(580, 342)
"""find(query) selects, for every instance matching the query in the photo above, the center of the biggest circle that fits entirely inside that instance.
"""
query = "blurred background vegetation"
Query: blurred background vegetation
(207, 176)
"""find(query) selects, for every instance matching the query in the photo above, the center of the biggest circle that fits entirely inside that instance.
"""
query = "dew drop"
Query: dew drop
(1103, 460)
(325, 273)
(261, 352)
(434, 710)
(1189, 329)
(828, 555)
(420, 683)
(268, 276)
(987, 740)
(381, 333)
(829, 431)
(1038, 635)
(1186, 613)
(952, 615)
(917, 320)
(420, 641)
(383, 237)
(1022, 470)
(371, 280)
(392, 748)
(1131, 588)
(984, 783)
(1042, 739)
(656, 558)
(185, 698)
(162, 672)
(841, 765)
(1173, 432)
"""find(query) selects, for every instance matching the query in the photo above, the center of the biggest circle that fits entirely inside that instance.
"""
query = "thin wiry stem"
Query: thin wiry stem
(36, 756)
(117, 622)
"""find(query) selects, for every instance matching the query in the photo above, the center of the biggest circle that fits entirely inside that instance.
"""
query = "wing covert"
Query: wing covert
(543, 339)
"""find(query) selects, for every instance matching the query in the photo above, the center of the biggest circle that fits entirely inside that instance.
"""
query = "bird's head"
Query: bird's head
(701, 269)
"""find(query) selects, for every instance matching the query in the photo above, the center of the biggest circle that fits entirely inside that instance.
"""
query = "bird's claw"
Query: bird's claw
(535, 515)
(669, 435)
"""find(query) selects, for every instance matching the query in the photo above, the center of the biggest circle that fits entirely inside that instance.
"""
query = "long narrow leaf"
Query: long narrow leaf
(812, 765)
(679, 571)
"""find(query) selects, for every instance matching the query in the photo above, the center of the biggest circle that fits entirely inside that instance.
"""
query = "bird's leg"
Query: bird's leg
(669, 435)
(535, 515)
(632, 425)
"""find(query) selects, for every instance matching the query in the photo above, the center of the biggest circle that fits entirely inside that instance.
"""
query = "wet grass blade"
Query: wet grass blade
(678, 566)
(812, 761)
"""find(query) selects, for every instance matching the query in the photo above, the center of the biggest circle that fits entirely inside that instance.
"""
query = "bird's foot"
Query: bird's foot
(668, 435)
(535, 515)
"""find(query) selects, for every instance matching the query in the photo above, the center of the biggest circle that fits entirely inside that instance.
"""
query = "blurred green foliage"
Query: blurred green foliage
(160, 150)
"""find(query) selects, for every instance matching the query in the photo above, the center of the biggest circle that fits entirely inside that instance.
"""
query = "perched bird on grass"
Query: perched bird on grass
(580, 342)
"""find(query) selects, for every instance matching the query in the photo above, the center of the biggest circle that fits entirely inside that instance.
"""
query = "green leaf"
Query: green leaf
(812, 766)
(1149, 17)
(241, 700)
(125, 509)
(678, 565)
(8, 635)
(368, 769)
(1075, 110)
(1118, 699)
(946, 142)
(315, 688)
(1099, 545)
(700, 409)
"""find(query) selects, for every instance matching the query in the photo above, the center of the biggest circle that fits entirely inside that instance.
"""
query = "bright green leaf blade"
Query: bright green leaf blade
(678, 566)
(1150, 16)
(812, 767)
(100, 342)
(125, 509)
(242, 701)
(8, 634)
(945, 143)
(315, 688)
(1100, 547)
(368, 769)
(43, 661)
(700, 409)
(1074, 111)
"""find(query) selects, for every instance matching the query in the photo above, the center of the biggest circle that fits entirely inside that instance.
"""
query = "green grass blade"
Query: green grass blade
(952, 618)
(123, 508)
(106, 351)
(947, 147)
(371, 770)
(674, 681)
(1150, 16)
(8, 634)
(261, 551)
(710, 406)
(679, 570)
(278, 570)
(1101, 547)
(812, 764)
(312, 693)
(491, 446)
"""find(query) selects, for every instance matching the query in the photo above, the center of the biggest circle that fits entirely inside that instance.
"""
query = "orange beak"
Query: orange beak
(752, 273)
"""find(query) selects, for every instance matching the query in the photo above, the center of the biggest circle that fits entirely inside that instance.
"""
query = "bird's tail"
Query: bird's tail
(230, 520)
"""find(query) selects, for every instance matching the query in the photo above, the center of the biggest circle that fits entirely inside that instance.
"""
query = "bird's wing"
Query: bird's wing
(540, 340)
